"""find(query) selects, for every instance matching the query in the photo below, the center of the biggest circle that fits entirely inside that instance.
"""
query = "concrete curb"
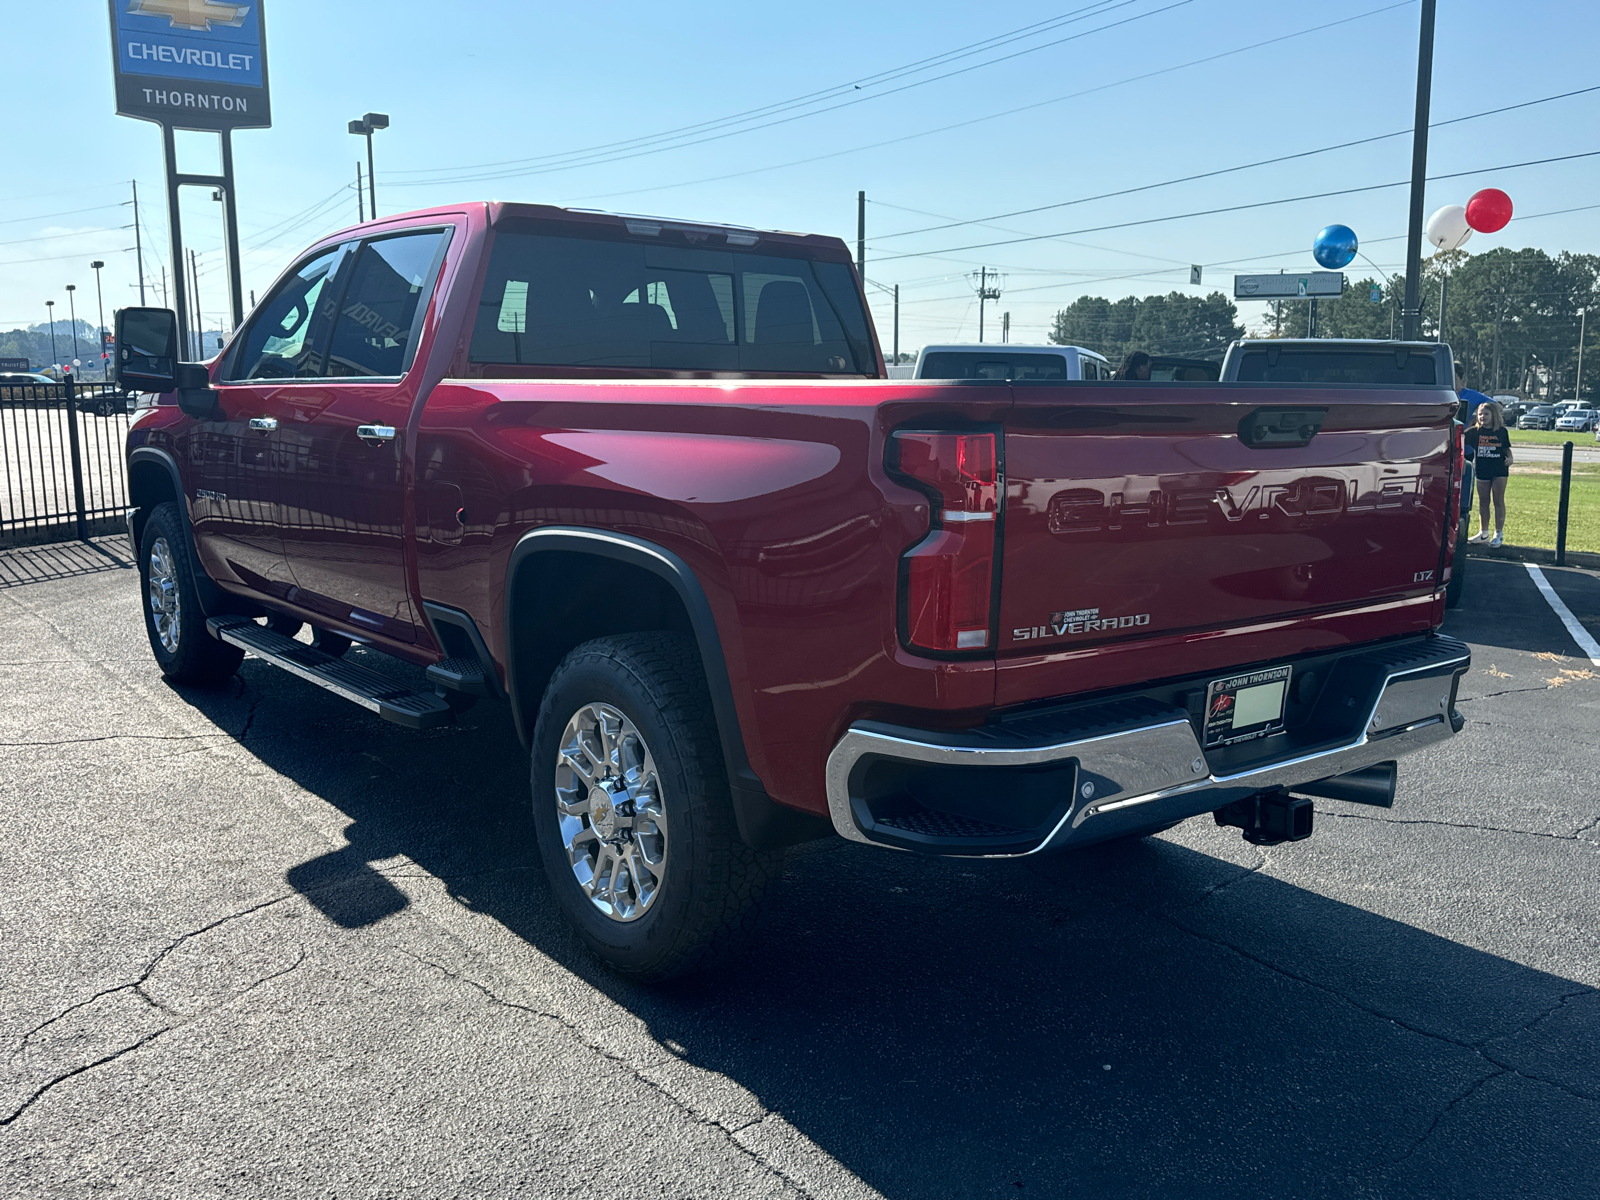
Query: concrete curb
(1533, 554)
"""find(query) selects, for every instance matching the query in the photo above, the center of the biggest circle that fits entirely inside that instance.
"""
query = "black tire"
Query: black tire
(707, 896)
(173, 619)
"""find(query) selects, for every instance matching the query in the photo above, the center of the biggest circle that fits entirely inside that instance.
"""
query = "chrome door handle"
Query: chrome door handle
(375, 435)
(264, 424)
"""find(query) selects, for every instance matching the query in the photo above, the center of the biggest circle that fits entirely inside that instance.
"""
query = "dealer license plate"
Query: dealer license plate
(1242, 707)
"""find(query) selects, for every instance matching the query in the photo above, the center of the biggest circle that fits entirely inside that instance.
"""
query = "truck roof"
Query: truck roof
(498, 212)
(1007, 347)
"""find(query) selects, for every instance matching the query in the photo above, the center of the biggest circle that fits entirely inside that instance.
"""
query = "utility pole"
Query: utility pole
(861, 233)
(50, 307)
(199, 321)
(1005, 327)
(985, 292)
(1411, 315)
(361, 211)
(1444, 295)
(164, 303)
(896, 325)
(138, 245)
(100, 307)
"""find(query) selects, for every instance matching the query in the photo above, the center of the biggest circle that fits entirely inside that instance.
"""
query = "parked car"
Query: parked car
(645, 482)
(1364, 362)
(19, 385)
(1541, 416)
(1011, 361)
(1576, 420)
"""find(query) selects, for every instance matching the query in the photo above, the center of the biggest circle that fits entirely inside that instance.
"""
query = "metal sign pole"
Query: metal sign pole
(180, 299)
(230, 212)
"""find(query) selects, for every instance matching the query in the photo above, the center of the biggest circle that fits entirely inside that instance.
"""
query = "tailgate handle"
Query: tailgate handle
(1268, 427)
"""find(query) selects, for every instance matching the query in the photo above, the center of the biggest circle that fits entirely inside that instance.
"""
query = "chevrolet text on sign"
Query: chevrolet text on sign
(192, 64)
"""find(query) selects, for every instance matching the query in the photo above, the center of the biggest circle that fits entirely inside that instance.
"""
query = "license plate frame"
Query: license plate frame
(1266, 695)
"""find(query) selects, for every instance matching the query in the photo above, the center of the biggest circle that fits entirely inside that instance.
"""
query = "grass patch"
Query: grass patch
(1550, 437)
(1531, 500)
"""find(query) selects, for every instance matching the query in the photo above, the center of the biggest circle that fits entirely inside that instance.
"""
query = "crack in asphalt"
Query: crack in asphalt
(728, 1131)
(137, 985)
(177, 1023)
(1444, 1112)
(1492, 695)
(1228, 883)
(1474, 1047)
(115, 737)
(250, 717)
(1539, 833)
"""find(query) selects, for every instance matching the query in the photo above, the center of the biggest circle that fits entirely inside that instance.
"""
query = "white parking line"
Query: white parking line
(1579, 634)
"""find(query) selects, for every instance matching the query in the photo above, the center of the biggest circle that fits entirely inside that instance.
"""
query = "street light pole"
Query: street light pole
(369, 124)
(50, 307)
(1411, 313)
(1583, 320)
(100, 308)
(72, 308)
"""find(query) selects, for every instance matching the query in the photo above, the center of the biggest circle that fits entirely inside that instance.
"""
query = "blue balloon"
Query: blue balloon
(1334, 247)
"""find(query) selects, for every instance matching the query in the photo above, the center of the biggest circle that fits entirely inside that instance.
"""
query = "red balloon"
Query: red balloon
(1489, 211)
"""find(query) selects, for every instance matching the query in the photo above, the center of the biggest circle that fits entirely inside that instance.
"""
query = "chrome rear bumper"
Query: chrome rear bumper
(1132, 764)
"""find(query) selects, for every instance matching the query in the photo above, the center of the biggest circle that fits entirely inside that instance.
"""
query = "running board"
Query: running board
(371, 690)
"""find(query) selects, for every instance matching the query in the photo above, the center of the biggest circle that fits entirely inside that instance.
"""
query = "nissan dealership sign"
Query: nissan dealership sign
(191, 64)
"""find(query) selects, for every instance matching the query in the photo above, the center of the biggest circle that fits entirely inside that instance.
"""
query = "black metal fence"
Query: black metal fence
(61, 461)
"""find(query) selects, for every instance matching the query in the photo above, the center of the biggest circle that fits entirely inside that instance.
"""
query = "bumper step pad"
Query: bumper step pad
(371, 690)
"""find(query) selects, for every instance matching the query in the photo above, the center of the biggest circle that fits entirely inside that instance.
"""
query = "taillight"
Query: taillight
(949, 576)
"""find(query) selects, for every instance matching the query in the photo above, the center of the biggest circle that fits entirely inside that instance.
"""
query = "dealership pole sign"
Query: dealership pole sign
(191, 64)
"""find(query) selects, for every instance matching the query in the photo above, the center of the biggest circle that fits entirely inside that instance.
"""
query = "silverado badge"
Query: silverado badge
(1080, 620)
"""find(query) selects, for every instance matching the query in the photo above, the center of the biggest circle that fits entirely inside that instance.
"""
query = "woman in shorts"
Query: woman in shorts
(1489, 443)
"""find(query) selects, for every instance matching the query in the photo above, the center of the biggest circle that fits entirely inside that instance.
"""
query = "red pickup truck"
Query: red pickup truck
(646, 482)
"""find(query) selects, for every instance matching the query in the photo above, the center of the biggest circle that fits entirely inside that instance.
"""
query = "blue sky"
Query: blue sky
(497, 83)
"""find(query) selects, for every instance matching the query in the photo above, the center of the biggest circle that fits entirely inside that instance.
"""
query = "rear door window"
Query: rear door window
(378, 312)
(580, 302)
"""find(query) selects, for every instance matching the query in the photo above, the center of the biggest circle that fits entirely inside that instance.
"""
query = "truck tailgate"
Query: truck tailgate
(1146, 512)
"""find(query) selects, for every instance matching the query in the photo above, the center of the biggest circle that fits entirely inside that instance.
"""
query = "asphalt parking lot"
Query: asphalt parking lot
(256, 943)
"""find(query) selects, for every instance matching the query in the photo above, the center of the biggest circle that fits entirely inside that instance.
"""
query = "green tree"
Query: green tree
(1175, 324)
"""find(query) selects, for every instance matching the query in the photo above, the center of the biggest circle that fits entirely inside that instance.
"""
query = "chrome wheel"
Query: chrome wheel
(608, 803)
(166, 612)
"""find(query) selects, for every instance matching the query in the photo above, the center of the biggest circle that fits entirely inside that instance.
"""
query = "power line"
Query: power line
(71, 212)
(680, 145)
(83, 233)
(1208, 212)
(995, 116)
(784, 105)
(1265, 162)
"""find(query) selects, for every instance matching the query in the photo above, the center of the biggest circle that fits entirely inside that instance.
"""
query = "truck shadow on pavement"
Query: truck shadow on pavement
(1143, 1019)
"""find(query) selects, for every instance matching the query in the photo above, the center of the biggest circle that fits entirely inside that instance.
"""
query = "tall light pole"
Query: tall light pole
(1583, 320)
(100, 307)
(50, 307)
(73, 309)
(1411, 312)
(367, 126)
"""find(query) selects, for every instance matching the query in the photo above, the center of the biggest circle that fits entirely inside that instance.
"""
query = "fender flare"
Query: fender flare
(213, 600)
(763, 822)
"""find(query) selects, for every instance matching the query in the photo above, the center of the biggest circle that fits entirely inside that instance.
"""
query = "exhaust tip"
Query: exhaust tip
(1371, 785)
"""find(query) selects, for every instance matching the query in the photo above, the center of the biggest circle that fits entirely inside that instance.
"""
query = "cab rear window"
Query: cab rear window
(947, 364)
(1336, 366)
(580, 302)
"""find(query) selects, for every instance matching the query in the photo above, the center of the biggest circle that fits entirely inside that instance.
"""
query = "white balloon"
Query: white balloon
(1448, 228)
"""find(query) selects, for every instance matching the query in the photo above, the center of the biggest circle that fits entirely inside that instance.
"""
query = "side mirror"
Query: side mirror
(147, 350)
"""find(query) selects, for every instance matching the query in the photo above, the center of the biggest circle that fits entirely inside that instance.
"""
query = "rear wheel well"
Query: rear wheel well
(564, 599)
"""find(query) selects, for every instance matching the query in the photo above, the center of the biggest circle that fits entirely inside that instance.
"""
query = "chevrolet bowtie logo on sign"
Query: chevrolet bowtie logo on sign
(191, 14)
(191, 64)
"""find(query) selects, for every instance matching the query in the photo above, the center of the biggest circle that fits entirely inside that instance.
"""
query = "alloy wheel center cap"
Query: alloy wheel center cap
(603, 815)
